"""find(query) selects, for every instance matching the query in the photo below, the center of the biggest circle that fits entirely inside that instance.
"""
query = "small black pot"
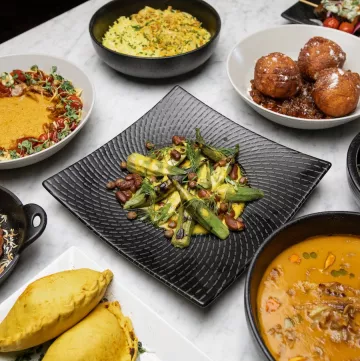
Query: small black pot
(326, 223)
(154, 67)
(20, 218)
(353, 161)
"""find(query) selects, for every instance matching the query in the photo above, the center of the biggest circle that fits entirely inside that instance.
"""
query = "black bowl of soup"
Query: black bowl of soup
(147, 63)
(302, 293)
(20, 226)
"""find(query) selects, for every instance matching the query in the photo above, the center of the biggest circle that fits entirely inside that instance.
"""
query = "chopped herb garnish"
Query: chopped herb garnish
(141, 349)
(351, 275)
(13, 154)
(53, 69)
(136, 27)
(27, 145)
(306, 255)
(313, 255)
(34, 68)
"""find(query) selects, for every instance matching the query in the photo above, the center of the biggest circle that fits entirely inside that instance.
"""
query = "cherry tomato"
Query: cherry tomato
(4, 91)
(347, 27)
(43, 137)
(60, 123)
(20, 75)
(73, 126)
(75, 102)
(331, 23)
(62, 92)
(54, 137)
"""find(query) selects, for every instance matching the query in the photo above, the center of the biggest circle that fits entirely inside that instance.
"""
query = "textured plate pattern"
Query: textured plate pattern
(209, 265)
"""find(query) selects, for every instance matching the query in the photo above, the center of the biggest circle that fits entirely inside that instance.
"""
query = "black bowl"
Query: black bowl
(154, 67)
(325, 223)
(20, 218)
(353, 162)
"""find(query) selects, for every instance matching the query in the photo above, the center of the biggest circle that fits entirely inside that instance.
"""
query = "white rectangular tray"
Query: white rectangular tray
(157, 336)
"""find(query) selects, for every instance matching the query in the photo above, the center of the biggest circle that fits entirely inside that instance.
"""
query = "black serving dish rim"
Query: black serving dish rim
(47, 185)
(212, 39)
(352, 166)
(250, 317)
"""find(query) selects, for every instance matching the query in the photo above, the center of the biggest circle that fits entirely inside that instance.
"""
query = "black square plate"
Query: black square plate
(205, 269)
(301, 13)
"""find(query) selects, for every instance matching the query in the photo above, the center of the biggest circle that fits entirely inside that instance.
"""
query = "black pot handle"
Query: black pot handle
(32, 233)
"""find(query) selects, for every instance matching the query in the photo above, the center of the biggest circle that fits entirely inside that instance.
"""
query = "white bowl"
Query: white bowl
(287, 39)
(68, 71)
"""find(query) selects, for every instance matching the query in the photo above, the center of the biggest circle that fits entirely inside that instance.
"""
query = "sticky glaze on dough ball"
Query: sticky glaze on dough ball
(277, 76)
(319, 54)
(336, 92)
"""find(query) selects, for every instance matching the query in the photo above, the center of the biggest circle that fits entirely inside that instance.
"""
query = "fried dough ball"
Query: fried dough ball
(277, 76)
(336, 92)
(319, 54)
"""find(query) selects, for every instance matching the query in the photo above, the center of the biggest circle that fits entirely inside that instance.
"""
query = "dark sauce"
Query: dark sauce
(301, 106)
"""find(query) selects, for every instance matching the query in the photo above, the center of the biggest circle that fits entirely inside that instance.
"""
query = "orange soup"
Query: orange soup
(309, 301)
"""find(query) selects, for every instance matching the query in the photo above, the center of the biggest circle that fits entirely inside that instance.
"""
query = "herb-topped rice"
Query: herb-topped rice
(156, 33)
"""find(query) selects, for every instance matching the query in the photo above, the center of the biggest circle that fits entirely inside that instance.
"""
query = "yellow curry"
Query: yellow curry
(156, 33)
(22, 117)
(309, 301)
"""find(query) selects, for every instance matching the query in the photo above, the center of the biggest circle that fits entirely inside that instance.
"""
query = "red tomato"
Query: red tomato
(54, 137)
(20, 75)
(60, 123)
(62, 92)
(75, 102)
(73, 126)
(4, 91)
(43, 137)
(331, 23)
(347, 27)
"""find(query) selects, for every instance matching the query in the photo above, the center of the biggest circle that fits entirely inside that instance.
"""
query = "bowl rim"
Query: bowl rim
(251, 318)
(82, 122)
(212, 39)
(249, 100)
(351, 160)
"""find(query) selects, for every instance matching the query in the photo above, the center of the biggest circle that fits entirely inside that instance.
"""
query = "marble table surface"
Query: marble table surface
(220, 329)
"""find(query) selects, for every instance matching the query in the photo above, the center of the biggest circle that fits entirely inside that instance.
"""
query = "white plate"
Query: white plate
(287, 39)
(164, 342)
(69, 71)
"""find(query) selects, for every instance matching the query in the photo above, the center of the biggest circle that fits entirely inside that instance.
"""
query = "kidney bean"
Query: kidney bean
(138, 183)
(129, 177)
(234, 172)
(172, 224)
(169, 233)
(223, 207)
(222, 163)
(232, 223)
(243, 180)
(125, 185)
(177, 140)
(131, 215)
(119, 181)
(192, 175)
(128, 194)
(232, 213)
(133, 188)
(192, 184)
(121, 196)
(110, 185)
(203, 193)
(174, 154)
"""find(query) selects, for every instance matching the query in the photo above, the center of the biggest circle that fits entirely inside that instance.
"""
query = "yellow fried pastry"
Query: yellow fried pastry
(104, 335)
(51, 305)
